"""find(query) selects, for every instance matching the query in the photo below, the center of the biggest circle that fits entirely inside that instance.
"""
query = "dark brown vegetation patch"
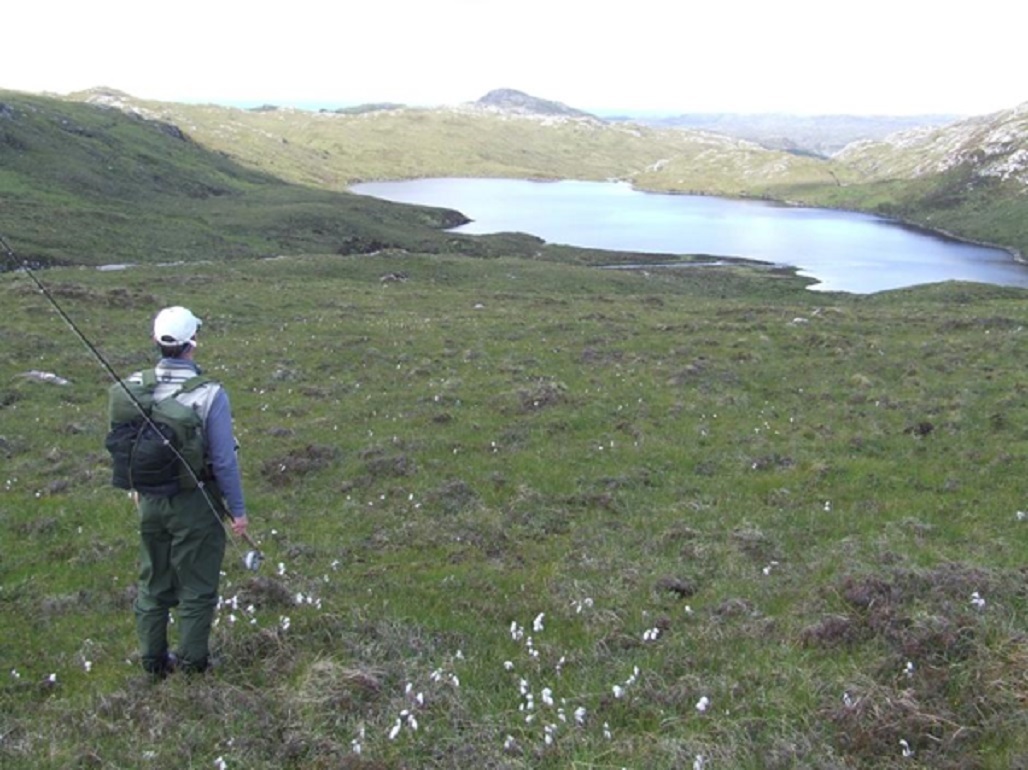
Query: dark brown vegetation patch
(381, 464)
(265, 592)
(452, 497)
(542, 394)
(943, 673)
(682, 587)
(298, 463)
(119, 297)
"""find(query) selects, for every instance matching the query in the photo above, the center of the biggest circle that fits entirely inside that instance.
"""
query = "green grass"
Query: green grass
(81, 184)
(797, 507)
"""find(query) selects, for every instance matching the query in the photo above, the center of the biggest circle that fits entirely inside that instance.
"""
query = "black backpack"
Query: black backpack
(147, 453)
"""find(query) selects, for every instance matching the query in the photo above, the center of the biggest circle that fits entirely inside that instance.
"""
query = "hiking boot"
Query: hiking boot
(160, 669)
(195, 667)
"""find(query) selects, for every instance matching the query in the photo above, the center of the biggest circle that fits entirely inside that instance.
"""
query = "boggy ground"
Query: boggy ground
(523, 514)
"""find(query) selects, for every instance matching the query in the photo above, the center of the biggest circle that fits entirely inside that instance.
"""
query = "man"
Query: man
(182, 535)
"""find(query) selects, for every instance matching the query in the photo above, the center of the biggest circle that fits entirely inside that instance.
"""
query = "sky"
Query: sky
(886, 57)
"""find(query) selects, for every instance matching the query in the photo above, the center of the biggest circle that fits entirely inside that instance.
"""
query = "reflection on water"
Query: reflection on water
(843, 251)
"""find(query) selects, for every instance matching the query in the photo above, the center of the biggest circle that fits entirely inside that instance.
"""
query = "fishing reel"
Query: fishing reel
(253, 560)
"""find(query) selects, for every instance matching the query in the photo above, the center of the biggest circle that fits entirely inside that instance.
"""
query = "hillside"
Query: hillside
(90, 184)
(510, 100)
(822, 135)
(969, 178)
(333, 150)
(988, 147)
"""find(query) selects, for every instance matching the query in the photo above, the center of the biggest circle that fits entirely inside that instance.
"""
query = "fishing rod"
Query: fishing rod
(253, 559)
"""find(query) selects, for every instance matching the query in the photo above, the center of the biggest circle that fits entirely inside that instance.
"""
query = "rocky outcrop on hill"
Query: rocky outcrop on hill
(991, 146)
(510, 101)
(822, 135)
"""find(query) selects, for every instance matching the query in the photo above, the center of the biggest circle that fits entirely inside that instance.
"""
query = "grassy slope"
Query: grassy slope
(92, 185)
(334, 150)
(991, 212)
(800, 492)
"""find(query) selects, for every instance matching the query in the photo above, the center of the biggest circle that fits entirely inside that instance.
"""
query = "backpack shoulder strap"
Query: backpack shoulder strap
(193, 383)
(149, 379)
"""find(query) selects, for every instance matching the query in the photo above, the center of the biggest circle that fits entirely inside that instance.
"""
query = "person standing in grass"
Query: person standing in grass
(182, 535)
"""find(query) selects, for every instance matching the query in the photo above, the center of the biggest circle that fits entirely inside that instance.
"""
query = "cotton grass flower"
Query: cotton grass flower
(635, 675)
(407, 719)
(583, 604)
(395, 730)
(977, 601)
(703, 704)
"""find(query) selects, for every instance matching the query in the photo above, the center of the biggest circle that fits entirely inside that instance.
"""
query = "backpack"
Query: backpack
(147, 454)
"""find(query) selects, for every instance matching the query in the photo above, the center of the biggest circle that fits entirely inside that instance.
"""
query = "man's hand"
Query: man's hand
(239, 525)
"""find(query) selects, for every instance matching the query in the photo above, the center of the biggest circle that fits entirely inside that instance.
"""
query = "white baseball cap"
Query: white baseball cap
(175, 326)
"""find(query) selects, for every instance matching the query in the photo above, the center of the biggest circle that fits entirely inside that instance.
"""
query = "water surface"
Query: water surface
(843, 251)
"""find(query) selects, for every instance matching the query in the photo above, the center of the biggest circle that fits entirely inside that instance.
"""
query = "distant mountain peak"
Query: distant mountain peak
(511, 100)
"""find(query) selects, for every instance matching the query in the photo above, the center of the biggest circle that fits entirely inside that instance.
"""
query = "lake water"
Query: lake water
(843, 251)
